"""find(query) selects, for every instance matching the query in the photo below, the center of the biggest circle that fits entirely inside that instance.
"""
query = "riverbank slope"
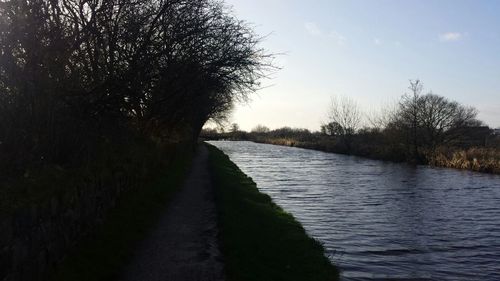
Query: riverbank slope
(259, 240)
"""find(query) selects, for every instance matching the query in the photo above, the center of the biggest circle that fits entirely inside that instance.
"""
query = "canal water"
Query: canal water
(381, 220)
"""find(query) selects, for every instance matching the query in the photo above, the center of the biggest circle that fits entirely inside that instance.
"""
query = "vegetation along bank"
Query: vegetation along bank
(260, 241)
(107, 251)
(420, 128)
(96, 100)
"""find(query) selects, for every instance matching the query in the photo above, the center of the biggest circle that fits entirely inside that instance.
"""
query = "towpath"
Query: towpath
(183, 246)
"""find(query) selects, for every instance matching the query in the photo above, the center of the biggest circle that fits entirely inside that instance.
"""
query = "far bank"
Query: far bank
(476, 157)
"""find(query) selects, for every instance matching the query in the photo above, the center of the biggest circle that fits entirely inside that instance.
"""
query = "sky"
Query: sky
(369, 50)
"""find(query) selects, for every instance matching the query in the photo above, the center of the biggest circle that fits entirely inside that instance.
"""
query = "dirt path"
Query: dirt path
(183, 246)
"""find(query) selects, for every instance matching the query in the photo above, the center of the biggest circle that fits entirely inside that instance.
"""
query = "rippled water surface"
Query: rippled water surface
(383, 221)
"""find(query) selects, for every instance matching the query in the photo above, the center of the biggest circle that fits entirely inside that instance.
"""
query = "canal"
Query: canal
(380, 220)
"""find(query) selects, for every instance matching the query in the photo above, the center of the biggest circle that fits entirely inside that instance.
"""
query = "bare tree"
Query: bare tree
(234, 128)
(440, 119)
(409, 107)
(345, 112)
(429, 120)
(76, 70)
(331, 129)
(260, 129)
(381, 118)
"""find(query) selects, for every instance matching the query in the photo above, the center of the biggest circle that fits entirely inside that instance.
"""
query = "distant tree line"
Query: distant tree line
(418, 124)
(78, 73)
(417, 129)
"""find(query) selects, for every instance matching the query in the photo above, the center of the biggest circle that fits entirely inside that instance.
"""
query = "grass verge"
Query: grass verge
(103, 255)
(260, 241)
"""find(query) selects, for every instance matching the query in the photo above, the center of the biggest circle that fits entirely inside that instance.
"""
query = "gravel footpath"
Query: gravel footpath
(183, 246)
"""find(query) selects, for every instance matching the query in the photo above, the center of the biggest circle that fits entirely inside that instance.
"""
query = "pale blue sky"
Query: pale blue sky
(368, 50)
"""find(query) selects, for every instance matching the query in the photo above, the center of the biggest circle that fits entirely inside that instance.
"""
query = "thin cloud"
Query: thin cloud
(450, 36)
(377, 41)
(339, 38)
(313, 29)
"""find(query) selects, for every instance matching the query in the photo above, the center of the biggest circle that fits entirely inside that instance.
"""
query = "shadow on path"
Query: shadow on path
(183, 246)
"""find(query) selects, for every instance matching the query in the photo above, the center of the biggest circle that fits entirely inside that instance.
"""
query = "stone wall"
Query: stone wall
(34, 240)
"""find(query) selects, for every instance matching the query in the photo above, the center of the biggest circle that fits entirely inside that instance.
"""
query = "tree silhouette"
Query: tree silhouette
(76, 72)
(345, 116)
(428, 121)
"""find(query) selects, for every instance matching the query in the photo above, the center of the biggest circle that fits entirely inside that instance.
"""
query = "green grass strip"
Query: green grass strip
(260, 241)
(103, 255)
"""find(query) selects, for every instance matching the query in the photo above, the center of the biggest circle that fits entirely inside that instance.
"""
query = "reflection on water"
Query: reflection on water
(383, 221)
